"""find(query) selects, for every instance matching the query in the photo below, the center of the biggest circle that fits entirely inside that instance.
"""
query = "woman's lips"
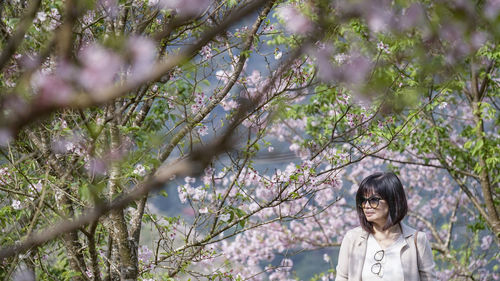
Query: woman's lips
(369, 213)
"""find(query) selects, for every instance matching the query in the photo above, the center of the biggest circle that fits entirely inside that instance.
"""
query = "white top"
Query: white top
(391, 268)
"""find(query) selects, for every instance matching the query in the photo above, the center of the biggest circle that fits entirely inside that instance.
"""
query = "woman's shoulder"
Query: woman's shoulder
(353, 235)
(420, 236)
(408, 230)
(355, 232)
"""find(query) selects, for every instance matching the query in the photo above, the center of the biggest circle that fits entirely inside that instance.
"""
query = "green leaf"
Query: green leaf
(164, 193)
(468, 144)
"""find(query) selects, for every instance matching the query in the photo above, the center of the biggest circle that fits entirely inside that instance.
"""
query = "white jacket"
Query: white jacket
(353, 250)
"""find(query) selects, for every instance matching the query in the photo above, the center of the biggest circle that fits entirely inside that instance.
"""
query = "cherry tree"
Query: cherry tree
(261, 116)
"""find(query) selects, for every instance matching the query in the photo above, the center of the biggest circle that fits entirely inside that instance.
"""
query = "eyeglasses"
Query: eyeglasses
(373, 201)
(377, 267)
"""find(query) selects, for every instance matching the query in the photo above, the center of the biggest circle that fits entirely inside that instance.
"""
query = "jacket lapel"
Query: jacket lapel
(408, 256)
(360, 247)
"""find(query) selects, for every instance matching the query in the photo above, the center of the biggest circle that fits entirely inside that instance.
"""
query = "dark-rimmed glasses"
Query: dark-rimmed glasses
(377, 267)
(373, 201)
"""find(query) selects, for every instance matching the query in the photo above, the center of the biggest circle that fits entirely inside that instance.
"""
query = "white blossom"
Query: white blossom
(326, 258)
(203, 130)
(443, 105)
(38, 186)
(383, 47)
(41, 16)
(139, 170)
(278, 55)
(225, 217)
(16, 204)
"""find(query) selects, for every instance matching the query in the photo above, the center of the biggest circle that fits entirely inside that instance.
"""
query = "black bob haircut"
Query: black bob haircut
(388, 187)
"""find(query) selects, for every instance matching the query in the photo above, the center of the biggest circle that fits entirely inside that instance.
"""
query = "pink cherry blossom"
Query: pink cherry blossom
(206, 52)
(492, 8)
(143, 53)
(5, 136)
(186, 8)
(295, 21)
(53, 90)
(100, 67)
(486, 242)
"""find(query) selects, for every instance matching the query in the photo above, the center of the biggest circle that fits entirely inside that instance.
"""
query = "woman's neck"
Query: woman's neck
(380, 231)
(386, 238)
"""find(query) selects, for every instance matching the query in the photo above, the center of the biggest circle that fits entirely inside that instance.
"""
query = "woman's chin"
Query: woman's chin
(370, 217)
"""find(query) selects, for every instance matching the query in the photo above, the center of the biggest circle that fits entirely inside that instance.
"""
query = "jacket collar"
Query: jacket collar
(407, 231)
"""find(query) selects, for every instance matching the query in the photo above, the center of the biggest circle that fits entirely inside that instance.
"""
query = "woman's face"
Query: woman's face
(375, 209)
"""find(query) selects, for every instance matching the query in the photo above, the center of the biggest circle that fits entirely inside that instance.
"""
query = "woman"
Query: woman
(384, 248)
